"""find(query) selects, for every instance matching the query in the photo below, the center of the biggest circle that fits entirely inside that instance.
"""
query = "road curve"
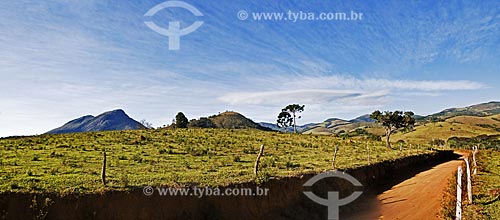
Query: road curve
(416, 198)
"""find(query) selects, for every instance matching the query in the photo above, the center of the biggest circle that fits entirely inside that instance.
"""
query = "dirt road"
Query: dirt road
(416, 198)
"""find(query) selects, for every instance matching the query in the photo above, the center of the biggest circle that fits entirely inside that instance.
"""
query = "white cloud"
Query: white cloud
(309, 96)
(350, 82)
(340, 89)
(328, 96)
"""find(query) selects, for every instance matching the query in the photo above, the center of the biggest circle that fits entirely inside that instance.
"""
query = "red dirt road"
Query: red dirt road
(416, 198)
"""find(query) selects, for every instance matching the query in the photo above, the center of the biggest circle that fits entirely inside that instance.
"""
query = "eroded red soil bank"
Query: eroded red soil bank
(284, 201)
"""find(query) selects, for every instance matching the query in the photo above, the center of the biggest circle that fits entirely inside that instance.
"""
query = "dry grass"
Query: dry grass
(460, 126)
(215, 157)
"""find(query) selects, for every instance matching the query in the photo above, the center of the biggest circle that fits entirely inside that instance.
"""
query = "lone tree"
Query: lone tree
(285, 120)
(292, 110)
(181, 121)
(393, 121)
(146, 124)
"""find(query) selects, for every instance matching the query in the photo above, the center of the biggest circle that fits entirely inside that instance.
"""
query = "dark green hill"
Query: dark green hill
(226, 120)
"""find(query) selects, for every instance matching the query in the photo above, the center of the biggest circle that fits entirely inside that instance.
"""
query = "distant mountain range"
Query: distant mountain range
(274, 127)
(119, 120)
(108, 121)
(336, 125)
(328, 124)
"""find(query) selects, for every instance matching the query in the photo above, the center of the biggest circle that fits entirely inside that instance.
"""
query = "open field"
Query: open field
(72, 162)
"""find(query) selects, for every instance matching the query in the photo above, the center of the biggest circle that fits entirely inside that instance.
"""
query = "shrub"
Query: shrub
(14, 186)
(35, 158)
(437, 142)
(137, 158)
(374, 137)
(201, 123)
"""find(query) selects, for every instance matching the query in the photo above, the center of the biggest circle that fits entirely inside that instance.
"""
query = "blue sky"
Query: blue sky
(62, 59)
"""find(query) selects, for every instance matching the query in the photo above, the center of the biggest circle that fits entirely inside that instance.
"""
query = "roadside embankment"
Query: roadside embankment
(284, 201)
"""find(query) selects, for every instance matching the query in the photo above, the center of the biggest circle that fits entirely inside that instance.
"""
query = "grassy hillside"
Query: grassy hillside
(459, 126)
(481, 110)
(177, 157)
(460, 115)
(233, 120)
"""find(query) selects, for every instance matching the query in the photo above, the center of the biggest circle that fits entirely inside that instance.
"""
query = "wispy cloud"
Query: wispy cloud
(61, 59)
(327, 89)
(301, 96)
(342, 94)
(347, 81)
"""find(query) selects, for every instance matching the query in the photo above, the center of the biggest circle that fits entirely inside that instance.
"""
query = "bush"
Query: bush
(137, 158)
(201, 123)
(35, 158)
(437, 142)
(262, 178)
(374, 137)
(485, 141)
(269, 162)
(197, 151)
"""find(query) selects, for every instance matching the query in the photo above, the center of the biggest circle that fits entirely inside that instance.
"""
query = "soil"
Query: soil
(418, 197)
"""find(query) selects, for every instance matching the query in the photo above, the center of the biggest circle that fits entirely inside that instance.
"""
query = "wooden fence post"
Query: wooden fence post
(458, 213)
(103, 171)
(335, 156)
(256, 167)
(474, 151)
(469, 183)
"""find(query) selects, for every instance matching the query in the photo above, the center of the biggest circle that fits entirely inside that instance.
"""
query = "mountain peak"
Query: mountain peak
(363, 118)
(107, 121)
(116, 111)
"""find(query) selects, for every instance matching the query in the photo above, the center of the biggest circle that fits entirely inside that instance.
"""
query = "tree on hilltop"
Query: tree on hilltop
(181, 121)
